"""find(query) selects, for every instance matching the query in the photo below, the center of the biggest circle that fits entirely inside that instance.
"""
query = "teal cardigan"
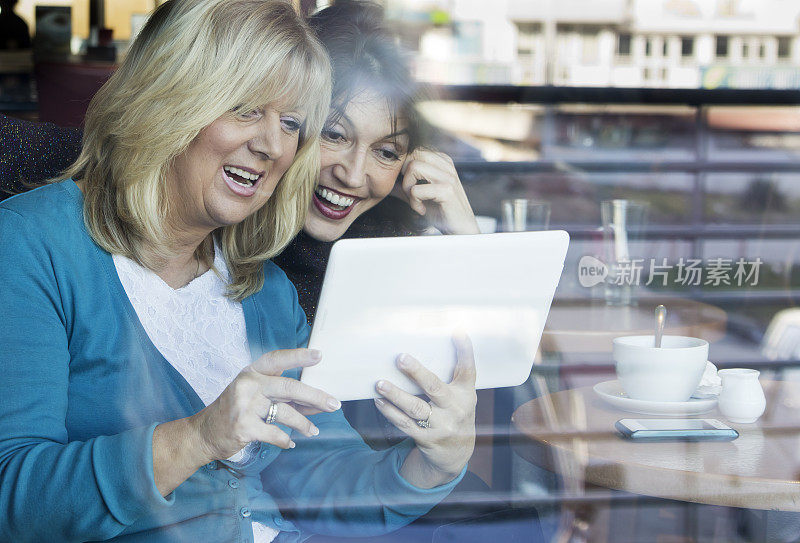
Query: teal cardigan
(83, 388)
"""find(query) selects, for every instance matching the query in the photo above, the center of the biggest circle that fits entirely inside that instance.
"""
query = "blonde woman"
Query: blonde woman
(149, 353)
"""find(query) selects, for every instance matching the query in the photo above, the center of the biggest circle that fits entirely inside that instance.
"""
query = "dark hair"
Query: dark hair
(366, 56)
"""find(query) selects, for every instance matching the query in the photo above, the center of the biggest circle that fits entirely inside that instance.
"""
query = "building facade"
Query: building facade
(618, 43)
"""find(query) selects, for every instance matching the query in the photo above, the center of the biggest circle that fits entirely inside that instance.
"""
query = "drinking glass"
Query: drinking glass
(622, 221)
(522, 214)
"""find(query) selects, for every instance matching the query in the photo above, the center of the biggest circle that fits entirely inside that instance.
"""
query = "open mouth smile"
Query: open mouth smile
(332, 204)
(240, 180)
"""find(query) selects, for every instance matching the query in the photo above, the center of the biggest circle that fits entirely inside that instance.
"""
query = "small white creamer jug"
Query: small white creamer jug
(742, 398)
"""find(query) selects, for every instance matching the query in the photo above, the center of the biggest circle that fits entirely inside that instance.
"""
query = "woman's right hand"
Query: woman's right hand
(237, 417)
(431, 186)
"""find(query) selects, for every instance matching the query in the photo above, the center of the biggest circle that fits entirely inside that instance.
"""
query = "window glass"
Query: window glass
(722, 46)
(624, 44)
(589, 109)
(784, 47)
(687, 47)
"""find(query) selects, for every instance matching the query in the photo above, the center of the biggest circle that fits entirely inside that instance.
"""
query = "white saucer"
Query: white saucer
(611, 392)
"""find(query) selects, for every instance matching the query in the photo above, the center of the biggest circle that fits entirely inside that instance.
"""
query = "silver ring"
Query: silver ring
(424, 423)
(272, 414)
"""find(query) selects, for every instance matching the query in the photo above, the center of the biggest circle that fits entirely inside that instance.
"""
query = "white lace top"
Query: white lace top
(198, 330)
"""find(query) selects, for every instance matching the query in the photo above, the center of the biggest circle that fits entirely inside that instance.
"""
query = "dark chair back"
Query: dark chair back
(66, 88)
(33, 152)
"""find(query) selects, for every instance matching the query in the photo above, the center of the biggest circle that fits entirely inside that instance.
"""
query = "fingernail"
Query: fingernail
(315, 354)
(379, 402)
(292, 444)
(402, 361)
(334, 404)
(314, 431)
(381, 386)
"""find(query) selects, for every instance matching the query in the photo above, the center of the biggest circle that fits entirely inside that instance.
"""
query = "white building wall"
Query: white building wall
(579, 57)
(499, 40)
(696, 16)
(704, 45)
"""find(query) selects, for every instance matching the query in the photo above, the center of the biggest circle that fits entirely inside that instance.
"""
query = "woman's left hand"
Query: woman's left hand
(431, 186)
(445, 446)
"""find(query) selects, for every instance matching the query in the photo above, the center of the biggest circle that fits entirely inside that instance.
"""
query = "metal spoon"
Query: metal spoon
(661, 318)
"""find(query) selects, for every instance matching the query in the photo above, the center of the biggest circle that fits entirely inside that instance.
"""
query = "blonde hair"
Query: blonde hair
(194, 61)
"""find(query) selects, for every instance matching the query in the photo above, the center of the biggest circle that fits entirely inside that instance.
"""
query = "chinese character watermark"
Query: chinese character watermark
(714, 272)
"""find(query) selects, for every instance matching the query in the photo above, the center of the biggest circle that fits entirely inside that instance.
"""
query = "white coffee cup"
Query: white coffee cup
(670, 373)
(486, 224)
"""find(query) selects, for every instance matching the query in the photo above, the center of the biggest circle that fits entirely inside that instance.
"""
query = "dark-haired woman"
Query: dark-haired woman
(376, 180)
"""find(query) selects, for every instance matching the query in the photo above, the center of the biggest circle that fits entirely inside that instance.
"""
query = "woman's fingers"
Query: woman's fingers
(269, 433)
(465, 372)
(276, 362)
(434, 163)
(436, 390)
(416, 408)
(238, 415)
(270, 366)
(430, 183)
(420, 170)
(432, 193)
(427, 168)
(286, 389)
(402, 421)
(449, 439)
(288, 416)
(307, 411)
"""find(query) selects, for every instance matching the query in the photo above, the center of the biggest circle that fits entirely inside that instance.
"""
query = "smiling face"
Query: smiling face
(231, 168)
(361, 156)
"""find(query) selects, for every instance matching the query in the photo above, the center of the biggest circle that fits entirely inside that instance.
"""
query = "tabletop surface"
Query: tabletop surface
(591, 325)
(572, 432)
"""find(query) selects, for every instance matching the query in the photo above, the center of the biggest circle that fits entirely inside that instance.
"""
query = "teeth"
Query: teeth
(242, 173)
(334, 198)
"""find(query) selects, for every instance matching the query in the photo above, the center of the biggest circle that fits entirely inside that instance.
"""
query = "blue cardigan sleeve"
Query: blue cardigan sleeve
(336, 484)
(51, 488)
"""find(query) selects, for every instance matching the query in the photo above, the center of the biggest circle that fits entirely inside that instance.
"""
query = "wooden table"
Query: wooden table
(572, 433)
(582, 326)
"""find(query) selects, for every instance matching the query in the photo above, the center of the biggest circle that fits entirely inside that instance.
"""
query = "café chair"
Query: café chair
(782, 341)
(33, 152)
(782, 338)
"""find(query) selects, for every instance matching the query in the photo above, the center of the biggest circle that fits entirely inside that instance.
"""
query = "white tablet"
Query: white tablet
(386, 296)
